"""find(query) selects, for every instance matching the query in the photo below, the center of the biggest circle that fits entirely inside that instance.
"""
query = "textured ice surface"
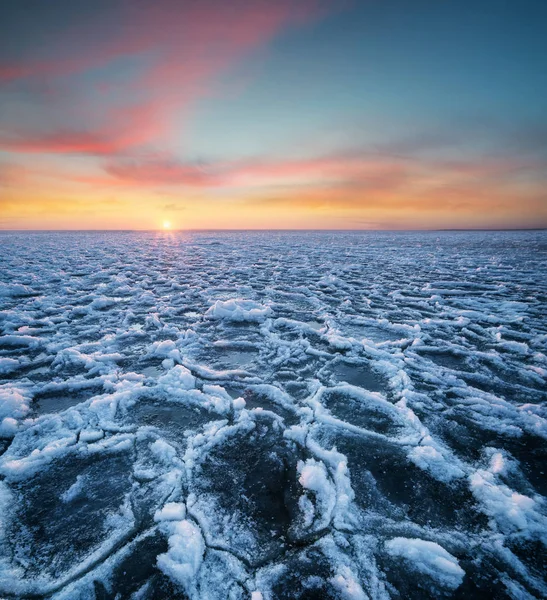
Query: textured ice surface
(273, 415)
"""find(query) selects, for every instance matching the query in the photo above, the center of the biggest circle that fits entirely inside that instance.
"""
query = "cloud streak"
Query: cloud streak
(181, 49)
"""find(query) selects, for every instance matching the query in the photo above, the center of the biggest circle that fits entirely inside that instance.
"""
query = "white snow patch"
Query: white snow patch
(172, 511)
(429, 558)
(91, 435)
(428, 458)
(14, 290)
(8, 365)
(239, 309)
(314, 477)
(509, 510)
(166, 349)
(183, 559)
(163, 451)
(14, 404)
(74, 491)
(176, 379)
(347, 586)
(239, 403)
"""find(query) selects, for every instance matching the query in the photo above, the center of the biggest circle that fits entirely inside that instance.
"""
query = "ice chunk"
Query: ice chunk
(347, 586)
(8, 365)
(509, 510)
(314, 477)
(177, 378)
(429, 558)
(183, 559)
(172, 511)
(14, 404)
(239, 310)
(428, 458)
(163, 451)
(8, 427)
(75, 490)
(14, 290)
(167, 349)
(238, 403)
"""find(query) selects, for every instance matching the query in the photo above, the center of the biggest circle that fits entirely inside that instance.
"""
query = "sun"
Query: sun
(167, 224)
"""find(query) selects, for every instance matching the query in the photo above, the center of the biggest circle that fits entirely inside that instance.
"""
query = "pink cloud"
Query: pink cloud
(123, 129)
(341, 170)
(181, 49)
(162, 173)
(175, 29)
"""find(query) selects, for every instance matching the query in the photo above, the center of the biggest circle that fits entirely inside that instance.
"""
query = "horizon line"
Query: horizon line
(194, 230)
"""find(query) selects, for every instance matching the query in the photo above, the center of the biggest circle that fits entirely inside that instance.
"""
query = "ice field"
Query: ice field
(269, 415)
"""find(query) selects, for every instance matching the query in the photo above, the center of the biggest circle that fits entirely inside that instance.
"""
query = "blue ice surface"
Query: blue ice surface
(273, 415)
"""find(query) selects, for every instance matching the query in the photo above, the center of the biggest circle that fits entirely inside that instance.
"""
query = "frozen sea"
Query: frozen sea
(273, 415)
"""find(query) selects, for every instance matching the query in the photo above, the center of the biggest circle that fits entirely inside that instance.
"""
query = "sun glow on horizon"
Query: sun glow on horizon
(167, 225)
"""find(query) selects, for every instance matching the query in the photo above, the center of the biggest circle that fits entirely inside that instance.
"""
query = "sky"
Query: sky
(273, 114)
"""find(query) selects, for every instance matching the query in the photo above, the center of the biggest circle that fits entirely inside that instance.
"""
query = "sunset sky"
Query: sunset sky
(363, 114)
